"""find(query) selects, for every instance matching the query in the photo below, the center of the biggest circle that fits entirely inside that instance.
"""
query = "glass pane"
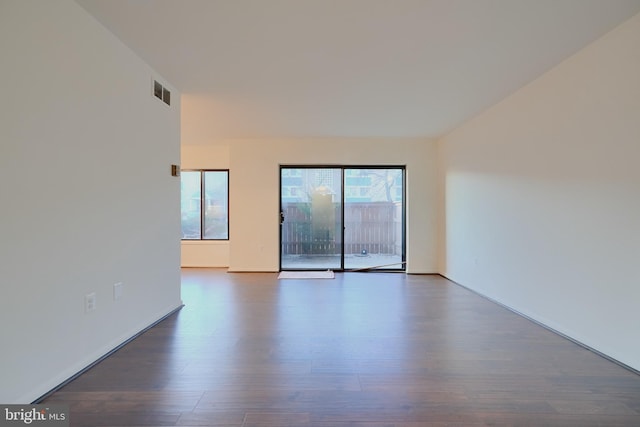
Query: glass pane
(190, 204)
(216, 209)
(373, 218)
(311, 200)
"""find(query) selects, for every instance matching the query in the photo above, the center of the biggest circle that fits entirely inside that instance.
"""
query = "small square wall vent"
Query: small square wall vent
(161, 92)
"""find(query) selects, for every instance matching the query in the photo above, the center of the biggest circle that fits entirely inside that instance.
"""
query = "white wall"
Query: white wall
(86, 193)
(542, 198)
(205, 253)
(254, 192)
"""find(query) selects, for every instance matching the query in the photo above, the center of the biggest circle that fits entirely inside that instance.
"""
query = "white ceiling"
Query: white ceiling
(349, 68)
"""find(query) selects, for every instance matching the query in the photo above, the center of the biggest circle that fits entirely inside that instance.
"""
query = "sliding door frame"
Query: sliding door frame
(342, 169)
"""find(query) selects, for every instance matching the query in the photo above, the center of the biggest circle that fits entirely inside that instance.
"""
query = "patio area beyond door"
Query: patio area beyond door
(342, 218)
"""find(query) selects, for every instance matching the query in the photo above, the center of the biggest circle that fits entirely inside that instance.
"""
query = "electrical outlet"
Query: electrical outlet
(117, 291)
(90, 302)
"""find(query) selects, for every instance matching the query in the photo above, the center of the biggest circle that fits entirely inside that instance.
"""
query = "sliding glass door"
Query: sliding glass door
(373, 218)
(342, 218)
(311, 218)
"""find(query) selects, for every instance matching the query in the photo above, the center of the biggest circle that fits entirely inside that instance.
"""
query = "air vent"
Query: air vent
(161, 92)
(166, 96)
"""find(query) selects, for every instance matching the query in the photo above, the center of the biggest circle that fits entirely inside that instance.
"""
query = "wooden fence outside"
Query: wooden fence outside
(374, 227)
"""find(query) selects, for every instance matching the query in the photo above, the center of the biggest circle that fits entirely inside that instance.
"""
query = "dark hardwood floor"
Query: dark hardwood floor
(361, 350)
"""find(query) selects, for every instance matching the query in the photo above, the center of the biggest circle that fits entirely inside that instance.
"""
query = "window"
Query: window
(204, 204)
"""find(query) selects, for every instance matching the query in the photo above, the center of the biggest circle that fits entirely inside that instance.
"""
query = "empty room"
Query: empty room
(320, 213)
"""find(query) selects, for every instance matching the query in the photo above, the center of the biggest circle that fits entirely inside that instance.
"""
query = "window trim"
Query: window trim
(203, 203)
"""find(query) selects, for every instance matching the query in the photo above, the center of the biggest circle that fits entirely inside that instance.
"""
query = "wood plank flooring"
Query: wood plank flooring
(361, 350)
